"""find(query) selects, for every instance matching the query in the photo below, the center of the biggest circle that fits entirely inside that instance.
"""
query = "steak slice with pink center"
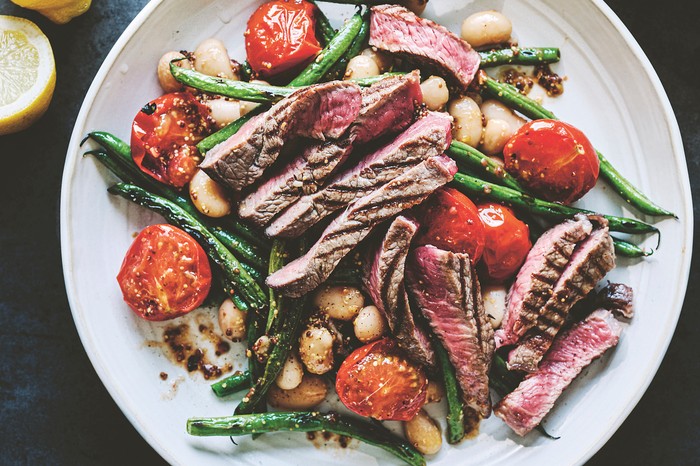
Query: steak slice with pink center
(397, 30)
(444, 287)
(319, 112)
(573, 350)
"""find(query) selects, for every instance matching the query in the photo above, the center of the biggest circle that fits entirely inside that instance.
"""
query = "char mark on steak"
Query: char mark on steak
(388, 107)
(397, 30)
(319, 112)
(525, 407)
(592, 259)
(535, 281)
(384, 282)
(357, 221)
(444, 287)
(618, 298)
(429, 136)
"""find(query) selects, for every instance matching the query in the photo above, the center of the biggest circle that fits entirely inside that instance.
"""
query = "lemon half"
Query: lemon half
(58, 11)
(27, 74)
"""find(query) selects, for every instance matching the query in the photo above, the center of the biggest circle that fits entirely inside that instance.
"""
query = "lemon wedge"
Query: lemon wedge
(58, 11)
(27, 74)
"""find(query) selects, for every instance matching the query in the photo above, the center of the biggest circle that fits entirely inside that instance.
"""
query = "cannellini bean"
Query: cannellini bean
(435, 392)
(369, 324)
(496, 135)
(361, 66)
(232, 320)
(423, 433)
(382, 60)
(211, 58)
(311, 391)
(495, 303)
(468, 124)
(261, 348)
(316, 349)
(486, 28)
(339, 302)
(495, 110)
(165, 78)
(208, 196)
(416, 6)
(291, 374)
(435, 93)
(224, 111)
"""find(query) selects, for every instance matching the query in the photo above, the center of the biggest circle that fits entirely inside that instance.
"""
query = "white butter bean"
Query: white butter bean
(435, 93)
(423, 433)
(486, 28)
(291, 374)
(232, 321)
(316, 349)
(495, 303)
(468, 123)
(208, 196)
(224, 111)
(382, 60)
(435, 392)
(211, 58)
(311, 391)
(369, 325)
(339, 302)
(495, 110)
(165, 78)
(496, 135)
(361, 66)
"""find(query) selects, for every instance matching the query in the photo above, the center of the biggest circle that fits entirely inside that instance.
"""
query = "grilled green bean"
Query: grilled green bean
(455, 407)
(324, 30)
(466, 155)
(519, 56)
(306, 422)
(358, 43)
(234, 383)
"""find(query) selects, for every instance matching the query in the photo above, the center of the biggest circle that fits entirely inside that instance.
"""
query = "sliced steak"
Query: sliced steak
(387, 107)
(357, 221)
(525, 407)
(427, 137)
(542, 268)
(618, 298)
(384, 282)
(592, 259)
(396, 30)
(318, 112)
(444, 287)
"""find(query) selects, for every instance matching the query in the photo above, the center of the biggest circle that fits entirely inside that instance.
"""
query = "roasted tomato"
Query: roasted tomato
(164, 135)
(376, 380)
(507, 242)
(165, 273)
(552, 159)
(281, 35)
(451, 221)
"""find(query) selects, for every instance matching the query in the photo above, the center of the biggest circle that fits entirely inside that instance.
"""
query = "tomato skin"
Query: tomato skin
(164, 136)
(281, 35)
(507, 242)
(553, 159)
(377, 381)
(165, 273)
(451, 221)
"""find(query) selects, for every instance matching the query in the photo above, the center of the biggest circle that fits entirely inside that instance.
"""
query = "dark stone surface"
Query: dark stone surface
(54, 409)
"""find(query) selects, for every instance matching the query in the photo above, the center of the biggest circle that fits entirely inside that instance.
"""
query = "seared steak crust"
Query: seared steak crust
(618, 298)
(429, 136)
(357, 221)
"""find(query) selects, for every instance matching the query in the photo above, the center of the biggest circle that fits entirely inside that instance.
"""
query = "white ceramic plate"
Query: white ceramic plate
(612, 93)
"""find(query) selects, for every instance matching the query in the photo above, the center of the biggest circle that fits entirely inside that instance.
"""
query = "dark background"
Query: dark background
(53, 407)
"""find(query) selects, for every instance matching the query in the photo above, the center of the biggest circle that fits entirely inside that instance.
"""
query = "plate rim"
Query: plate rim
(111, 384)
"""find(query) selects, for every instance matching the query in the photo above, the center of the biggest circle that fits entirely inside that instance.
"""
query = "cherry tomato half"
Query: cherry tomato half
(552, 159)
(165, 273)
(281, 35)
(376, 380)
(164, 136)
(507, 242)
(451, 221)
